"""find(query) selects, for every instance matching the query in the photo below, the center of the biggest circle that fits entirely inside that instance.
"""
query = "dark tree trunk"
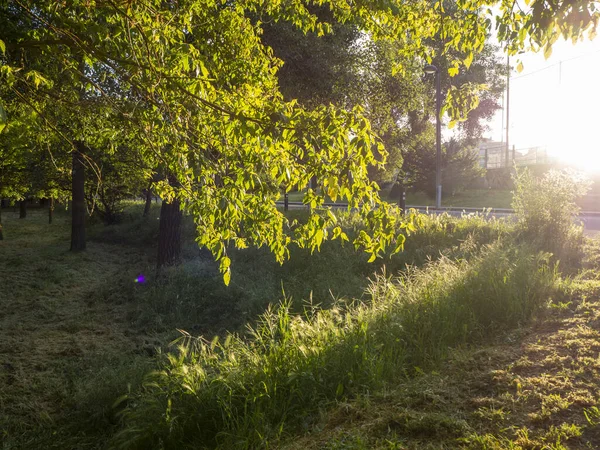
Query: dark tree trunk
(148, 201)
(22, 209)
(50, 210)
(169, 234)
(78, 203)
(1, 206)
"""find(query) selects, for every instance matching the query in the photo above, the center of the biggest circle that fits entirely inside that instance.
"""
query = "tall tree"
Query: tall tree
(348, 68)
(212, 111)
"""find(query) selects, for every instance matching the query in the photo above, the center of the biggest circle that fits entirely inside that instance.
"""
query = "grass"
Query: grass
(65, 346)
(533, 388)
(249, 392)
(475, 198)
(76, 333)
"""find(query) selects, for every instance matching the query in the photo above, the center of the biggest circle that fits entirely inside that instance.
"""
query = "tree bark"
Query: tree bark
(78, 203)
(22, 209)
(50, 211)
(148, 201)
(169, 234)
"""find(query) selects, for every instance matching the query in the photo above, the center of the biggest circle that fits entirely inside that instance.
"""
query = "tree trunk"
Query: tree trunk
(22, 209)
(169, 234)
(1, 206)
(50, 210)
(148, 201)
(78, 203)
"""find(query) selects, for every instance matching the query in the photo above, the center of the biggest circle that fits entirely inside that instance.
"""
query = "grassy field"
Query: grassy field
(481, 198)
(472, 198)
(67, 339)
(77, 333)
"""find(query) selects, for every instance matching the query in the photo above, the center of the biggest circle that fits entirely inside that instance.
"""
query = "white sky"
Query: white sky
(557, 105)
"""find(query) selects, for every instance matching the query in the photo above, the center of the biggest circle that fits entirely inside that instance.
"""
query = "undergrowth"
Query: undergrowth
(247, 391)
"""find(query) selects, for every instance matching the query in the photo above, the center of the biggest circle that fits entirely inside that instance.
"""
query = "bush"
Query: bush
(248, 391)
(545, 206)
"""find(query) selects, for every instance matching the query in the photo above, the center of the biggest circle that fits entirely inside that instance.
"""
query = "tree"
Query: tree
(347, 68)
(192, 83)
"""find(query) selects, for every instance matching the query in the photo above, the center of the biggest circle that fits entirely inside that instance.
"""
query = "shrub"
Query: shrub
(545, 206)
(247, 391)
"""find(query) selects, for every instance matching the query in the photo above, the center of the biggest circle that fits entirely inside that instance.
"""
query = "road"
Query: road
(590, 219)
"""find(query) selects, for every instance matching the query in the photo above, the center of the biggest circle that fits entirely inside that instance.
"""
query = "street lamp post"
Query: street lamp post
(431, 69)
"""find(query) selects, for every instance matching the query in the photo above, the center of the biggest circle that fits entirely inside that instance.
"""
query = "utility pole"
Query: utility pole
(438, 134)
(507, 104)
(431, 69)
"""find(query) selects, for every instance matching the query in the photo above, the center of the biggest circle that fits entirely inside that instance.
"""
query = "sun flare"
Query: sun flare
(555, 105)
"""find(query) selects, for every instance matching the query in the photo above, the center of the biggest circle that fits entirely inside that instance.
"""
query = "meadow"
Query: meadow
(325, 351)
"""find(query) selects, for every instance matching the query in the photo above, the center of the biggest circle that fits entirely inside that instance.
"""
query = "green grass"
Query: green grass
(476, 198)
(250, 391)
(76, 332)
(66, 347)
(533, 388)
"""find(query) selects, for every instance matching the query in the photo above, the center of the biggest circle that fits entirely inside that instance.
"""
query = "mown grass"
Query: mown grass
(65, 348)
(77, 332)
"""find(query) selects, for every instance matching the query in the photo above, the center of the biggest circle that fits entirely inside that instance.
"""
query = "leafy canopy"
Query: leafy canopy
(192, 85)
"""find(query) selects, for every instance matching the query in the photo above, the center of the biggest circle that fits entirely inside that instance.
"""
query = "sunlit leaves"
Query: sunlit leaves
(3, 117)
(459, 101)
(520, 67)
(190, 86)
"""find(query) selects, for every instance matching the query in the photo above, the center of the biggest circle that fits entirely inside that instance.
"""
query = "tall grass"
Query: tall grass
(192, 296)
(546, 210)
(249, 391)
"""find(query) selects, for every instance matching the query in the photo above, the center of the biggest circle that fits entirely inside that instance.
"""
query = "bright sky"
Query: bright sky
(555, 103)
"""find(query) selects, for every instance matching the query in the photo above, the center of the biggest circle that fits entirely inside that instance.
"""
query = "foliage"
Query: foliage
(460, 167)
(546, 206)
(192, 296)
(193, 86)
(347, 68)
(118, 175)
(246, 392)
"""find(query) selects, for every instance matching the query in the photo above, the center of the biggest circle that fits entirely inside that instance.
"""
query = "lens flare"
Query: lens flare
(141, 279)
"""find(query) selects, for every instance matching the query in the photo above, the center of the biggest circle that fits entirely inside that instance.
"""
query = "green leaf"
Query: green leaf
(469, 60)
(520, 67)
(2, 47)
(3, 118)
(453, 71)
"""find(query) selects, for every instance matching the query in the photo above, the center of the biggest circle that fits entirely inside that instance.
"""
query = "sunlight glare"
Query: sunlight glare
(555, 104)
